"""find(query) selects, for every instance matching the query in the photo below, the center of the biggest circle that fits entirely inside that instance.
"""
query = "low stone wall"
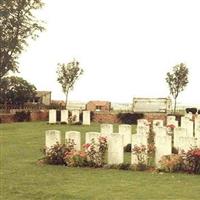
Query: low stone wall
(153, 116)
(40, 116)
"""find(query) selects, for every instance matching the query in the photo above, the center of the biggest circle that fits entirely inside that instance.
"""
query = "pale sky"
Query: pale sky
(125, 48)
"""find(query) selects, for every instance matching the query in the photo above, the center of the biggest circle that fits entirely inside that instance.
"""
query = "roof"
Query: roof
(42, 93)
(99, 103)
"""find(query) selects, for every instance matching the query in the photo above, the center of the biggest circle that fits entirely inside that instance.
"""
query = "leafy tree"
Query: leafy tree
(177, 81)
(17, 24)
(16, 91)
(67, 76)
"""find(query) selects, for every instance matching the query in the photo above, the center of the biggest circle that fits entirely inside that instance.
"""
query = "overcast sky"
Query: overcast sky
(125, 47)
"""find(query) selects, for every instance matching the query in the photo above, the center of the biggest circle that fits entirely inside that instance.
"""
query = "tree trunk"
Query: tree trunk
(175, 105)
(66, 100)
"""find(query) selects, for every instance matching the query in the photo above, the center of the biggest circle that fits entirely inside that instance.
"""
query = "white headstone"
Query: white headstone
(125, 130)
(115, 149)
(142, 126)
(138, 140)
(76, 115)
(188, 124)
(186, 143)
(163, 146)
(157, 123)
(189, 115)
(86, 117)
(197, 127)
(106, 130)
(179, 132)
(160, 131)
(64, 116)
(52, 137)
(52, 116)
(170, 119)
(76, 137)
(92, 135)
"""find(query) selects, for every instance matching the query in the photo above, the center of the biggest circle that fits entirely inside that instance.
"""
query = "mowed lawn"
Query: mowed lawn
(22, 178)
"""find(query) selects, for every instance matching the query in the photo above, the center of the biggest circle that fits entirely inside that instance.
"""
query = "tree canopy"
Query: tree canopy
(16, 91)
(17, 24)
(67, 75)
(177, 80)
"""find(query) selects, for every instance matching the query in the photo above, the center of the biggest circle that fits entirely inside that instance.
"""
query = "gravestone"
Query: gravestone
(163, 146)
(179, 132)
(142, 126)
(197, 127)
(160, 131)
(188, 124)
(157, 123)
(86, 117)
(171, 119)
(125, 130)
(52, 137)
(76, 137)
(115, 149)
(92, 135)
(106, 130)
(76, 115)
(138, 140)
(64, 116)
(186, 143)
(52, 116)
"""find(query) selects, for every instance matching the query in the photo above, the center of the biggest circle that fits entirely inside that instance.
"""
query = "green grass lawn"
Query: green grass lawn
(22, 178)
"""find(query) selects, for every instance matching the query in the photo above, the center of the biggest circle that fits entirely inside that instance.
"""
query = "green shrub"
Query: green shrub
(129, 118)
(22, 116)
(192, 161)
(127, 148)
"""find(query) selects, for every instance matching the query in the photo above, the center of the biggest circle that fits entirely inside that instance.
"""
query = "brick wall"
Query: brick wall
(103, 117)
(152, 116)
(6, 118)
(39, 116)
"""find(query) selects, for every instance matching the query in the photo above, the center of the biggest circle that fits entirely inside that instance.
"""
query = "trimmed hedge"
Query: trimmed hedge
(129, 118)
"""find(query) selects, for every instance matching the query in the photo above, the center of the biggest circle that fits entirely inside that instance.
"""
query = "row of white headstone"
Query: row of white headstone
(65, 116)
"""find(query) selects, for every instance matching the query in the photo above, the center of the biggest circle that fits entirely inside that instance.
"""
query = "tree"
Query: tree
(177, 81)
(17, 24)
(67, 76)
(16, 91)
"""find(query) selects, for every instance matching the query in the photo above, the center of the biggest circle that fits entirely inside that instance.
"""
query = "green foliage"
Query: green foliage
(16, 91)
(23, 116)
(177, 80)
(129, 118)
(96, 152)
(127, 148)
(56, 154)
(17, 25)
(67, 75)
(192, 161)
(192, 110)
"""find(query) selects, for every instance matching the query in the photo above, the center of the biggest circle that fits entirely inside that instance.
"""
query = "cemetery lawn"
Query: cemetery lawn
(21, 177)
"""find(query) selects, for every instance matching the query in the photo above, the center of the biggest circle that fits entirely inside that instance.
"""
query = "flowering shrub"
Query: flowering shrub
(75, 158)
(96, 152)
(192, 161)
(55, 154)
(171, 163)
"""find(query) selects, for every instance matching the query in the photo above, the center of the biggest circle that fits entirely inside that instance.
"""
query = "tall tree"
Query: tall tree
(16, 91)
(177, 81)
(17, 23)
(67, 76)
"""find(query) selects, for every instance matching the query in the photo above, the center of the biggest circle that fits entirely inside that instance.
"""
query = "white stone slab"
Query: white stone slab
(64, 116)
(138, 140)
(76, 115)
(76, 137)
(188, 124)
(106, 130)
(186, 143)
(157, 123)
(163, 146)
(160, 131)
(125, 130)
(170, 119)
(92, 135)
(86, 117)
(115, 149)
(52, 137)
(197, 127)
(52, 116)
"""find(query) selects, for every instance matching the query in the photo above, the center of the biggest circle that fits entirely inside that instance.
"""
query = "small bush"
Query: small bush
(192, 161)
(129, 118)
(23, 116)
(124, 166)
(192, 110)
(127, 148)
(171, 163)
